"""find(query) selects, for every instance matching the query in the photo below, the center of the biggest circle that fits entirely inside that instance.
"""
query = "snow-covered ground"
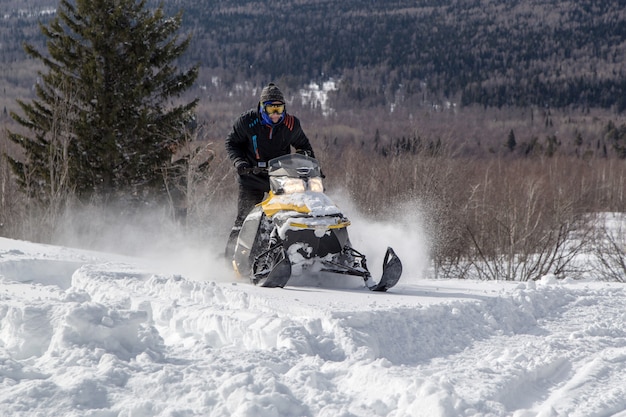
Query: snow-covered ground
(101, 335)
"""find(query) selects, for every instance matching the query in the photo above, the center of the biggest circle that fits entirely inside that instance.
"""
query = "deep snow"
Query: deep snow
(96, 334)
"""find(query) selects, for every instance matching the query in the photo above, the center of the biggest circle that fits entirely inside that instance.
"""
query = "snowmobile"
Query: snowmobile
(297, 229)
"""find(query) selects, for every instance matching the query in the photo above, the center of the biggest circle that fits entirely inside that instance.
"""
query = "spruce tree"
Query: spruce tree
(109, 113)
(511, 143)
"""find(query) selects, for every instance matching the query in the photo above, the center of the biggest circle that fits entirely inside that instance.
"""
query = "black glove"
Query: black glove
(243, 168)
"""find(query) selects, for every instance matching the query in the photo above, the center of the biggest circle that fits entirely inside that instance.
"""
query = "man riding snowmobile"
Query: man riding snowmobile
(258, 135)
(263, 247)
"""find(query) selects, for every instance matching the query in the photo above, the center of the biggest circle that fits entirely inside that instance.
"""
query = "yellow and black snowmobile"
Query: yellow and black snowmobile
(297, 229)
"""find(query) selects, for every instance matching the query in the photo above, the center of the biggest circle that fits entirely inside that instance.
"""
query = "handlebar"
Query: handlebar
(254, 170)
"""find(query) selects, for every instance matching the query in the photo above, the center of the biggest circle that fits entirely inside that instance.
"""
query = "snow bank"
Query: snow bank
(86, 334)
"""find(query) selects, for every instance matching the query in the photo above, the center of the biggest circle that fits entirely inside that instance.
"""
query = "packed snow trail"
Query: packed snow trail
(86, 334)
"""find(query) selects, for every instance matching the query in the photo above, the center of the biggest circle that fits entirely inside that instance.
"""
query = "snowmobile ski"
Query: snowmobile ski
(392, 270)
(272, 268)
(279, 275)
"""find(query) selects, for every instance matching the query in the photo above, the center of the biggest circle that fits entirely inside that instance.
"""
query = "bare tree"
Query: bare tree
(609, 247)
(39, 215)
(191, 161)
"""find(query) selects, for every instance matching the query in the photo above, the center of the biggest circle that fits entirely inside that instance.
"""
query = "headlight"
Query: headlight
(315, 185)
(285, 185)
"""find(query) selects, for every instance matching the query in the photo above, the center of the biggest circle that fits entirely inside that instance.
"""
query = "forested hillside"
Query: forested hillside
(492, 52)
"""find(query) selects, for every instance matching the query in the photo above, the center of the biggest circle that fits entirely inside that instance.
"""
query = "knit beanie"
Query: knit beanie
(271, 93)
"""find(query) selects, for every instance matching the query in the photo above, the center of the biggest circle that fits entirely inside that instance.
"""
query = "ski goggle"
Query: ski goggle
(274, 108)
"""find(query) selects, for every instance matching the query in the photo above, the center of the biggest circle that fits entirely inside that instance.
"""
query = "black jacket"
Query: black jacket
(255, 143)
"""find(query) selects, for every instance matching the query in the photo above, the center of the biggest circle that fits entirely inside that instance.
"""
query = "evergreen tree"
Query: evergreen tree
(104, 123)
(511, 143)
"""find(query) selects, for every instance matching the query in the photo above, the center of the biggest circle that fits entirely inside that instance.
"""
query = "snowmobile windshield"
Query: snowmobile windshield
(294, 166)
(295, 173)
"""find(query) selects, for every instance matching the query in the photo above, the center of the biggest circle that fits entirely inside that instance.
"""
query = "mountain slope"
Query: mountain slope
(492, 52)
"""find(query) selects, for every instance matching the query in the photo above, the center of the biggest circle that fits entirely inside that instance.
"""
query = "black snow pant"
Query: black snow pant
(248, 198)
